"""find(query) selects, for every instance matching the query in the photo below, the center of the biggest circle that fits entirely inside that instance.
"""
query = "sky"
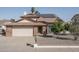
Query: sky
(65, 13)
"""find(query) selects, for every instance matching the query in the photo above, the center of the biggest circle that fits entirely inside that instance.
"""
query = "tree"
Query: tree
(67, 26)
(12, 20)
(33, 9)
(37, 12)
(75, 26)
(57, 27)
(59, 19)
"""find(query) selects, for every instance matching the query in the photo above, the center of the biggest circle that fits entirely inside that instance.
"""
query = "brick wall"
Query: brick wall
(8, 31)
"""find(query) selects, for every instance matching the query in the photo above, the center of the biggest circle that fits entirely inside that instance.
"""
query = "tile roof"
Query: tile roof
(48, 15)
(47, 20)
(30, 16)
(26, 23)
(40, 15)
(42, 19)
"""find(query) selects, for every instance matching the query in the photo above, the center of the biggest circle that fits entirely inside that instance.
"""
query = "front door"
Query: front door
(40, 29)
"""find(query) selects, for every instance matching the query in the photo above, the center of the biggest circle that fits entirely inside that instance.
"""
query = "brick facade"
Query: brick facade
(8, 31)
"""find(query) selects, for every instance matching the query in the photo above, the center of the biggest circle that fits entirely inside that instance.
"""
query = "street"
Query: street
(19, 44)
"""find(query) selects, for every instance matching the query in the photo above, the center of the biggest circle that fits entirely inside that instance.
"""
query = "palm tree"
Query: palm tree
(12, 20)
(37, 12)
(33, 9)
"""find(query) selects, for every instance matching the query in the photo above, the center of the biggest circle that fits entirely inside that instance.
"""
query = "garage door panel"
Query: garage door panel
(23, 31)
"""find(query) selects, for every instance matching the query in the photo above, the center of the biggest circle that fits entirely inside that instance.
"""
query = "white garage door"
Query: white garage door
(22, 31)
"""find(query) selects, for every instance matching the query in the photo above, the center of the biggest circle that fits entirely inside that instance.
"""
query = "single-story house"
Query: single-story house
(30, 25)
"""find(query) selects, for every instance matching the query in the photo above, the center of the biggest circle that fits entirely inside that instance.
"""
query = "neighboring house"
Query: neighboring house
(31, 24)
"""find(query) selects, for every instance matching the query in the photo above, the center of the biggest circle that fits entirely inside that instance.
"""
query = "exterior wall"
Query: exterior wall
(44, 29)
(35, 30)
(8, 31)
(48, 28)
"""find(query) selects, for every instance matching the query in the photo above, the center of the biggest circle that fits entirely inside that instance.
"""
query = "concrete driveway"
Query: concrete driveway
(18, 44)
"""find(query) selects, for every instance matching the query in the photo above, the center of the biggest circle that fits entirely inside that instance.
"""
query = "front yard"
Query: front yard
(58, 40)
